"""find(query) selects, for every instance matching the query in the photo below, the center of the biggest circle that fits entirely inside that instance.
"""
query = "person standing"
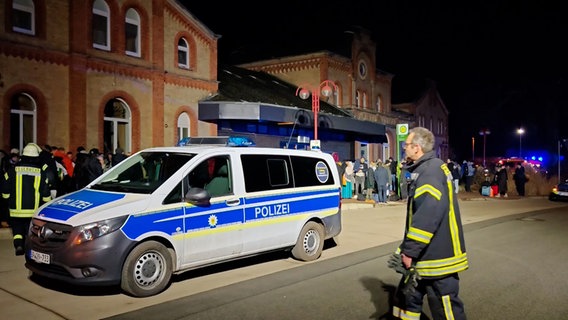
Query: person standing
(360, 168)
(347, 192)
(392, 169)
(382, 178)
(370, 181)
(432, 252)
(25, 188)
(46, 157)
(502, 178)
(6, 165)
(468, 173)
(455, 170)
(404, 180)
(117, 157)
(520, 179)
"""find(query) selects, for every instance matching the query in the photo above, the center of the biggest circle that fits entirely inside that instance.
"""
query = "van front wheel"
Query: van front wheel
(147, 270)
(310, 242)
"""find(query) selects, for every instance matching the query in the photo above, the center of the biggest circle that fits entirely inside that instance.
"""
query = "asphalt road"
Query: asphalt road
(518, 270)
(281, 286)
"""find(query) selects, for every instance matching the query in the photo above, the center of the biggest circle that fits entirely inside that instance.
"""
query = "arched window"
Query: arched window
(23, 124)
(358, 99)
(132, 33)
(364, 100)
(183, 125)
(183, 53)
(117, 126)
(101, 25)
(23, 16)
(380, 104)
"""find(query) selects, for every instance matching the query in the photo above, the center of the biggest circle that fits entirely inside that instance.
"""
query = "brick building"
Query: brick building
(135, 74)
(103, 73)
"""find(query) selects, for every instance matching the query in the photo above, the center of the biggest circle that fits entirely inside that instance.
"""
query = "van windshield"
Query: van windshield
(143, 172)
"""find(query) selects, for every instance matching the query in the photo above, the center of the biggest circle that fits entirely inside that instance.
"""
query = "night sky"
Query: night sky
(498, 64)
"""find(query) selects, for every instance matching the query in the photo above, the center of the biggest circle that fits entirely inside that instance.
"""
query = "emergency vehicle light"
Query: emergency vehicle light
(229, 141)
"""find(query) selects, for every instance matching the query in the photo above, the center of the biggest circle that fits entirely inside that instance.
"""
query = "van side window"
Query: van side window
(220, 182)
(213, 174)
(266, 172)
(304, 170)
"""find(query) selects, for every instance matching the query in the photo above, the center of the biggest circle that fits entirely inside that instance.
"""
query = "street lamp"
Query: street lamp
(484, 132)
(472, 148)
(326, 88)
(520, 132)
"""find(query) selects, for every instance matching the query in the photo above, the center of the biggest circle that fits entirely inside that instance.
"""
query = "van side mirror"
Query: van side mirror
(198, 197)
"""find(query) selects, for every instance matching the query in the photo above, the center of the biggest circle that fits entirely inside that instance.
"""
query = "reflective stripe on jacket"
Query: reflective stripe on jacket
(433, 235)
(26, 188)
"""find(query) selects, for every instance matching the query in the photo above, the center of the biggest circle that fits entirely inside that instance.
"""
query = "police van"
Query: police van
(166, 210)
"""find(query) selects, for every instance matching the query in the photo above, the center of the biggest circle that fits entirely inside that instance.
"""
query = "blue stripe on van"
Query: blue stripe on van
(172, 221)
(77, 202)
(289, 204)
(219, 215)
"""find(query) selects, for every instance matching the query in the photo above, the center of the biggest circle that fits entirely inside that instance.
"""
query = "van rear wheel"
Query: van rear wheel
(310, 242)
(147, 270)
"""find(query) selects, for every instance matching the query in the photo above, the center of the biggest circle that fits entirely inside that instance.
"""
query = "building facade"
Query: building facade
(103, 73)
(362, 89)
(133, 74)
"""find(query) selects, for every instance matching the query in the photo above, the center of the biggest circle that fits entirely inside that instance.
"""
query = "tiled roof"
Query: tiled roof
(239, 84)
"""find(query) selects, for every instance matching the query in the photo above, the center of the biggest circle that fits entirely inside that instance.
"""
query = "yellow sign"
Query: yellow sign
(402, 129)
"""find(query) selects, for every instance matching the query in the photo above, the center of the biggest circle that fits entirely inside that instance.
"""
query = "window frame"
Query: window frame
(185, 51)
(18, 5)
(22, 115)
(105, 15)
(137, 39)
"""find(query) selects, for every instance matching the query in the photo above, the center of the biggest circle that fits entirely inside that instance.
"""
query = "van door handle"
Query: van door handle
(233, 202)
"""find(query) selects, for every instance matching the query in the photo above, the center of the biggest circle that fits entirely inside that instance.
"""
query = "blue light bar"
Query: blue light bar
(240, 142)
(229, 141)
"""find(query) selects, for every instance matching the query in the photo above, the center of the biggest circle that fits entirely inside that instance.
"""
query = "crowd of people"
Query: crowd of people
(375, 181)
(380, 181)
(39, 174)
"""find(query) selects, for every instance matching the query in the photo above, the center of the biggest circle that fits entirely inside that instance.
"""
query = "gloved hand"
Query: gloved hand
(410, 281)
(395, 262)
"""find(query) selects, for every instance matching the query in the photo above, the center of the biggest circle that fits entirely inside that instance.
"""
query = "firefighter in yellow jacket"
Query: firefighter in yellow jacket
(432, 252)
(26, 189)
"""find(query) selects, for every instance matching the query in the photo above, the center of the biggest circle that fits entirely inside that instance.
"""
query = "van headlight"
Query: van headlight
(98, 229)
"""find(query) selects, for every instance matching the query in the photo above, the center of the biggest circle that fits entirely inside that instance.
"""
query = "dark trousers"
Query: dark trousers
(20, 230)
(442, 295)
(468, 181)
(4, 211)
(520, 185)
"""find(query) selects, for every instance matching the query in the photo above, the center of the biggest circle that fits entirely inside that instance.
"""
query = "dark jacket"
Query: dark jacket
(25, 187)
(434, 234)
(90, 170)
(502, 178)
(47, 158)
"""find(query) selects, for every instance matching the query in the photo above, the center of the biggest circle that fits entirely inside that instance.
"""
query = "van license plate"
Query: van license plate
(40, 257)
